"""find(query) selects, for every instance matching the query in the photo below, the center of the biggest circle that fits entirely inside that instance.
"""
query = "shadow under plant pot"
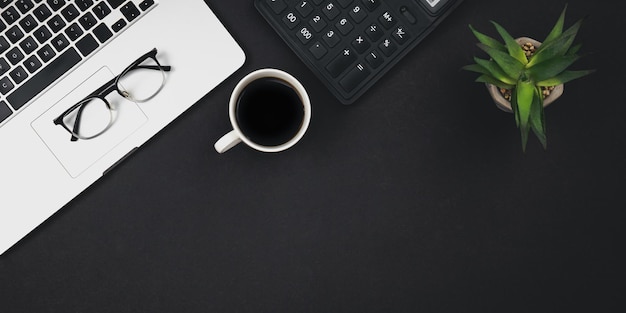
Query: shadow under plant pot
(551, 94)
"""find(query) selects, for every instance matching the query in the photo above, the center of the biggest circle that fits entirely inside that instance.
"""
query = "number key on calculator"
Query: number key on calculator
(350, 44)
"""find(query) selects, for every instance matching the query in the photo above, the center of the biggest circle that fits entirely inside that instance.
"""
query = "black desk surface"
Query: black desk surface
(417, 198)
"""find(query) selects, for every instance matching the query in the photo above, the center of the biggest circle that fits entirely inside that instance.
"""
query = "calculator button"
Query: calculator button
(331, 38)
(387, 47)
(331, 11)
(344, 26)
(291, 20)
(341, 62)
(358, 14)
(400, 35)
(371, 4)
(305, 8)
(374, 32)
(344, 3)
(277, 5)
(318, 50)
(356, 76)
(374, 59)
(318, 23)
(434, 6)
(387, 20)
(304, 35)
(360, 44)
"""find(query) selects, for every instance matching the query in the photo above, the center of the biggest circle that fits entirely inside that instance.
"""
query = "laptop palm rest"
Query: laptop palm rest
(77, 156)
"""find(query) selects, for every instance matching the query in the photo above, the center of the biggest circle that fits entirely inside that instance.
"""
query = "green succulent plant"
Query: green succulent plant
(510, 68)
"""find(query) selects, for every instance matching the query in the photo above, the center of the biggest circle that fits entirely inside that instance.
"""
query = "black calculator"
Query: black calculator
(350, 44)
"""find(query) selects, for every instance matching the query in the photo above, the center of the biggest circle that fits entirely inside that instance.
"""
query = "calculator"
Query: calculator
(351, 44)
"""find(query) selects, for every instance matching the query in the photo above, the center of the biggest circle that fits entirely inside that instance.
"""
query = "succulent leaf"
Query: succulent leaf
(510, 65)
(557, 30)
(487, 41)
(564, 77)
(574, 49)
(514, 49)
(490, 80)
(556, 47)
(525, 93)
(496, 71)
(551, 68)
(537, 118)
(476, 68)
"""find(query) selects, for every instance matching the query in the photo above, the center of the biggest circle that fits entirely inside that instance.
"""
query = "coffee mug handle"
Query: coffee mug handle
(227, 141)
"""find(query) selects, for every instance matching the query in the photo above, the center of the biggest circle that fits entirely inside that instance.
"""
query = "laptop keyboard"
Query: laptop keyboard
(41, 40)
(350, 44)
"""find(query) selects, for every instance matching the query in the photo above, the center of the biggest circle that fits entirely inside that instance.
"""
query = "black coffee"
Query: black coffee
(269, 112)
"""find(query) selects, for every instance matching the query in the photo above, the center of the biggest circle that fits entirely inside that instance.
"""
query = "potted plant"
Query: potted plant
(524, 75)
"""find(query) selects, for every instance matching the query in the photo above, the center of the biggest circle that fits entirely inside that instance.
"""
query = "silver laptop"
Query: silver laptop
(73, 100)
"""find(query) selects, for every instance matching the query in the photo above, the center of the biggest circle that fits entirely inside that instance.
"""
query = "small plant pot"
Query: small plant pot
(504, 104)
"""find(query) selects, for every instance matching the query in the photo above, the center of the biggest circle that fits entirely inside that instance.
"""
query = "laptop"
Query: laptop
(55, 54)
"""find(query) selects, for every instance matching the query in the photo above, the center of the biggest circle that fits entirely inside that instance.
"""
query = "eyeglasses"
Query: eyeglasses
(94, 115)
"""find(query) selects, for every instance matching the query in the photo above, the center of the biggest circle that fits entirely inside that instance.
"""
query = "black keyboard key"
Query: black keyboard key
(24, 5)
(355, 77)
(42, 12)
(5, 112)
(5, 3)
(29, 45)
(56, 23)
(2, 25)
(341, 62)
(101, 10)
(4, 44)
(42, 34)
(28, 23)
(83, 5)
(102, 32)
(44, 78)
(46, 53)
(60, 42)
(10, 15)
(119, 25)
(70, 13)
(115, 3)
(56, 5)
(73, 32)
(130, 11)
(4, 66)
(32, 64)
(146, 4)
(6, 85)
(87, 45)
(87, 21)
(14, 34)
(15, 55)
(18, 75)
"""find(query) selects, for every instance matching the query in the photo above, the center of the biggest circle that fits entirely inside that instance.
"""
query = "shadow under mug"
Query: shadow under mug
(237, 135)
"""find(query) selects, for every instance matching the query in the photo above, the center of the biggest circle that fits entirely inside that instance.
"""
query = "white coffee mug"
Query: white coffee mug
(237, 135)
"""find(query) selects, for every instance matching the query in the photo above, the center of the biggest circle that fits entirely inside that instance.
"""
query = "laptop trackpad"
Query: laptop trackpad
(77, 156)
